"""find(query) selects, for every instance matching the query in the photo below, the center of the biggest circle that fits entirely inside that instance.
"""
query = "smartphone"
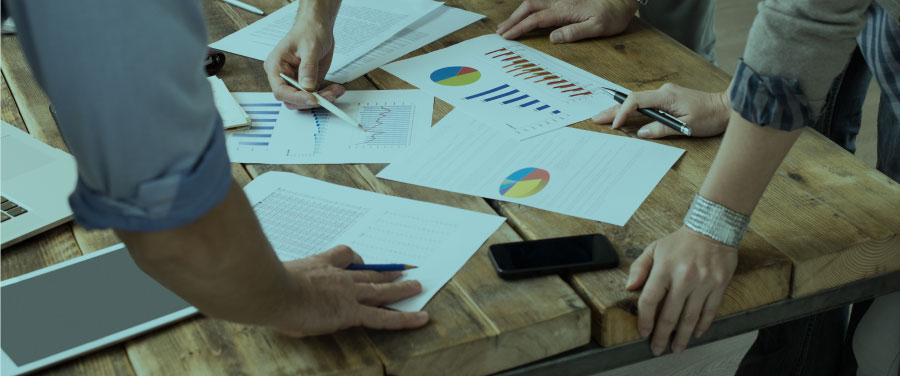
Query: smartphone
(550, 256)
(78, 306)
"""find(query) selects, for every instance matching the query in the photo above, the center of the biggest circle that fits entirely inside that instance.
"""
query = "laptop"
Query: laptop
(35, 183)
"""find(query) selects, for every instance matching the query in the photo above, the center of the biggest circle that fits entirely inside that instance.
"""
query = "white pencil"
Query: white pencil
(324, 102)
(247, 7)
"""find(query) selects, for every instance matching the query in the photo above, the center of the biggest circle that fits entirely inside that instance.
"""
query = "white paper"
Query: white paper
(394, 120)
(575, 172)
(361, 25)
(510, 86)
(233, 116)
(438, 23)
(303, 216)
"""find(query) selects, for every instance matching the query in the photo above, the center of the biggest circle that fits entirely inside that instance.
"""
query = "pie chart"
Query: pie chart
(525, 182)
(455, 76)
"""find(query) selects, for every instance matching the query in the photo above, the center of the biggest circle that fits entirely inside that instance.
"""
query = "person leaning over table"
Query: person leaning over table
(795, 65)
(690, 22)
(135, 109)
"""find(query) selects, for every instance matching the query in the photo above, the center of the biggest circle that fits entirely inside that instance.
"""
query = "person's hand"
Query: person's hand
(304, 54)
(705, 113)
(579, 19)
(684, 276)
(331, 298)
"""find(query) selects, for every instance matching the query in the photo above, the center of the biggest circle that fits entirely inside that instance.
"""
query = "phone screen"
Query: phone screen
(52, 312)
(572, 253)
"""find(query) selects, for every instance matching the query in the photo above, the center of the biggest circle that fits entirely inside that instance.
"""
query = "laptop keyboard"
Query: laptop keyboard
(10, 209)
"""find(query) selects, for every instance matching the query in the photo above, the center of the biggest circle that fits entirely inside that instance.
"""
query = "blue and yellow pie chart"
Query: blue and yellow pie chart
(455, 76)
(525, 182)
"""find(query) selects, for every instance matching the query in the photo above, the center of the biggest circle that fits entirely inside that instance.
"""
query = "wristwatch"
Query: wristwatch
(642, 2)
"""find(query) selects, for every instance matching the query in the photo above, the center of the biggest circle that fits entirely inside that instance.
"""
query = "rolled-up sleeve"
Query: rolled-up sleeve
(134, 107)
(794, 51)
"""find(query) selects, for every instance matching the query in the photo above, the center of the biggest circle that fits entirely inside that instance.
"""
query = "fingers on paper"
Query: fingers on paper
(376, 294)
(380, 318)
(371, 276)
(332, 92)
(544, 18)
(657, 130)
(659, 99)
(526, 8)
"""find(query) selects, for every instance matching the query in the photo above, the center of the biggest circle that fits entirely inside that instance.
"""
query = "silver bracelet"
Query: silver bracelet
(716, 221)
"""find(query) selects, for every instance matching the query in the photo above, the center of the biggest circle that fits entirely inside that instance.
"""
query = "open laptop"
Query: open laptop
(35, 183)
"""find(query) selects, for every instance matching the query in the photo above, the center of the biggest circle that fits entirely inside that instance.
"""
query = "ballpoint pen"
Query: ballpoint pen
(323, 102)
(381, 267)
(660, 116)
(247, 7)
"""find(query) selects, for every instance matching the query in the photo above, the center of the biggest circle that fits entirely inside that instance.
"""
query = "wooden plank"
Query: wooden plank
(209, 346)
(613, 308)
(815, 190)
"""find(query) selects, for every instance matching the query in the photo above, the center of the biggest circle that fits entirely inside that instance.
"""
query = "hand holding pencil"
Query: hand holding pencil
(706, 114)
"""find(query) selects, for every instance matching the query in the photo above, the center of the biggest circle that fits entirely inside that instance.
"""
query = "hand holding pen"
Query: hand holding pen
(705, 114)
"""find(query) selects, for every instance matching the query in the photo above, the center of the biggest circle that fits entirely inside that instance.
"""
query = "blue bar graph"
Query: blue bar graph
(498, 88)
(508, 93)
(529, 103)
(262, 125)
(515, 99)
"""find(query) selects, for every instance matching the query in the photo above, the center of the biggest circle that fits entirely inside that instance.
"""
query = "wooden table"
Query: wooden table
(826, 222)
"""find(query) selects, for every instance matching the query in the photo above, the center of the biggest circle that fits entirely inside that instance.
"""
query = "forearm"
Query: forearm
(221, 263)
(747, 159)
(324, 11)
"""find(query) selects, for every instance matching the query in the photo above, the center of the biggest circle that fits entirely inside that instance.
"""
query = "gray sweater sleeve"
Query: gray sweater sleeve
(794, 51)
(133, 105)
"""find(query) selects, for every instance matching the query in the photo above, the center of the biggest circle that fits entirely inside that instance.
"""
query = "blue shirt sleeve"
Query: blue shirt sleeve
(133, 105)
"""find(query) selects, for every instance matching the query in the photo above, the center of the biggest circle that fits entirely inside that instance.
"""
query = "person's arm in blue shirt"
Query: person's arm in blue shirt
(126, 80)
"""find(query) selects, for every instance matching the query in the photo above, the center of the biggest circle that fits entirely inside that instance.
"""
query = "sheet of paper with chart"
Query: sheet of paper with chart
(360, 27)
(508, 85)
(571, 171)
(303, 216)
(394, 121)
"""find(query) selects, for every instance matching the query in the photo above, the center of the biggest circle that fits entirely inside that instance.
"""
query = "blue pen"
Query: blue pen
(381, 267)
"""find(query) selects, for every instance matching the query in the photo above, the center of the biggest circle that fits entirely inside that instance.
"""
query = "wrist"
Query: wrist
(723, 107)
(716, 221)
(323, 12)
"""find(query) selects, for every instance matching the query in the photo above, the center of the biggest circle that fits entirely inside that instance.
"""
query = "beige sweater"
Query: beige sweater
(808, 40)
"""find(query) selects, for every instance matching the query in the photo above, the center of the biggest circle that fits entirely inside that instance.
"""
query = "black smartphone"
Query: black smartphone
(550, 256)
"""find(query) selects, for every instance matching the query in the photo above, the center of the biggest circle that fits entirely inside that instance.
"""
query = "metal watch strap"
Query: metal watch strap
(716, 221)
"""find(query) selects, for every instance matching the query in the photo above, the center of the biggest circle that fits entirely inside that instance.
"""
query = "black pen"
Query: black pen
(660, 116)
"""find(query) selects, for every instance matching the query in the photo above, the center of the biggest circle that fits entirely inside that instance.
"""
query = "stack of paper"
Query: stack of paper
(233, 117)
(367, 33)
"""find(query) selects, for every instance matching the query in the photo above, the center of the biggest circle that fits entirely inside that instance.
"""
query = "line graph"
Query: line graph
(386, 125)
